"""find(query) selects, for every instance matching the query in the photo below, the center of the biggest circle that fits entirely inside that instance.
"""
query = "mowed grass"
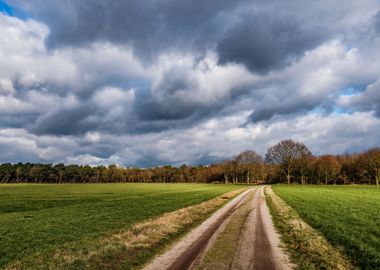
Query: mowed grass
(35, 218)
(348, 216)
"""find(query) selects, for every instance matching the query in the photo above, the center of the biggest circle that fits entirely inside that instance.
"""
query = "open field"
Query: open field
(37, 219)
(348, 216)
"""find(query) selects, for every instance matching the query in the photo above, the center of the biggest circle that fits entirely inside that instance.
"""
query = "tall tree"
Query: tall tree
(286, 153)
(246, 162)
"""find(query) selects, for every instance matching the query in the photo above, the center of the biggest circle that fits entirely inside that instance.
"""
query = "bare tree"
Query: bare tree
(248, 157)
(246, 161)
(287, 153)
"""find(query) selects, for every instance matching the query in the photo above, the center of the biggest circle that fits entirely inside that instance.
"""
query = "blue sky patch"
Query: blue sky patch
(5, 8)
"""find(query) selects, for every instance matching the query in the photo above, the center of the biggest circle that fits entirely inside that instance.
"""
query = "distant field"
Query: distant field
(349, 216)
(35, 219)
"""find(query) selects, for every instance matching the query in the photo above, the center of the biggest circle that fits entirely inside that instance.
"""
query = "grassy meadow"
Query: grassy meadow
(348, 216)
(36, 219)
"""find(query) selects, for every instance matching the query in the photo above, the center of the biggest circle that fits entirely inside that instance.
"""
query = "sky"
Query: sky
(148, 83)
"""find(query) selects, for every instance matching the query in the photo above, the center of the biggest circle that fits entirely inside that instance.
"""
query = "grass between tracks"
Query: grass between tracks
(223, 250)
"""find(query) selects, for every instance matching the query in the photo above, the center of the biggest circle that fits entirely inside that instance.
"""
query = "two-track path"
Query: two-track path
(258, 247)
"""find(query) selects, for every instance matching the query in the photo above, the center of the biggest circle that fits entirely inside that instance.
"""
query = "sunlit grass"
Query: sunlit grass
(348, 216)
(39, 218)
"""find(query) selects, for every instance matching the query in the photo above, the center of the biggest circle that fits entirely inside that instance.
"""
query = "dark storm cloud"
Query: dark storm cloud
(171, 109)
(98, 149)
(149, 26)
(83, 118)
(156, 114)
(164, 104)
(261, 40)
(12, 121)
(71, 121)
(148, 115)
(266, 41)
(273, 106)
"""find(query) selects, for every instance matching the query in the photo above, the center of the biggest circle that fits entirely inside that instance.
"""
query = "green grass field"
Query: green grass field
(35, 219)
(348, 216)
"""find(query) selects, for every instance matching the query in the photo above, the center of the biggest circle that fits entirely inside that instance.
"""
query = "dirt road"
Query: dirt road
(257, 247)
(267, 254)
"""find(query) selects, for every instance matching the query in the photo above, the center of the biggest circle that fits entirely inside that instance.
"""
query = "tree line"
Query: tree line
(286, 162)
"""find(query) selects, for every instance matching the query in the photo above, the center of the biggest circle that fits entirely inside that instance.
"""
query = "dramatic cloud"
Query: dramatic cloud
(369, 100)
(267, 41)
(156, 82)
(148, 26)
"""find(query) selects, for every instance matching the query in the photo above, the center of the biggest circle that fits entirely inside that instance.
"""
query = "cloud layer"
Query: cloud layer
(145, 84)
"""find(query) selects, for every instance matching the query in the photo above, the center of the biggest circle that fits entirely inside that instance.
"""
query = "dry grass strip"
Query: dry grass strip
(129, 248)
(308, 248)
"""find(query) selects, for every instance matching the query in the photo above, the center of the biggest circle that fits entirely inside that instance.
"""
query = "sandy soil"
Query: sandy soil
(243, 258)
(184, 253)
(267, 253)
(258, 247)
